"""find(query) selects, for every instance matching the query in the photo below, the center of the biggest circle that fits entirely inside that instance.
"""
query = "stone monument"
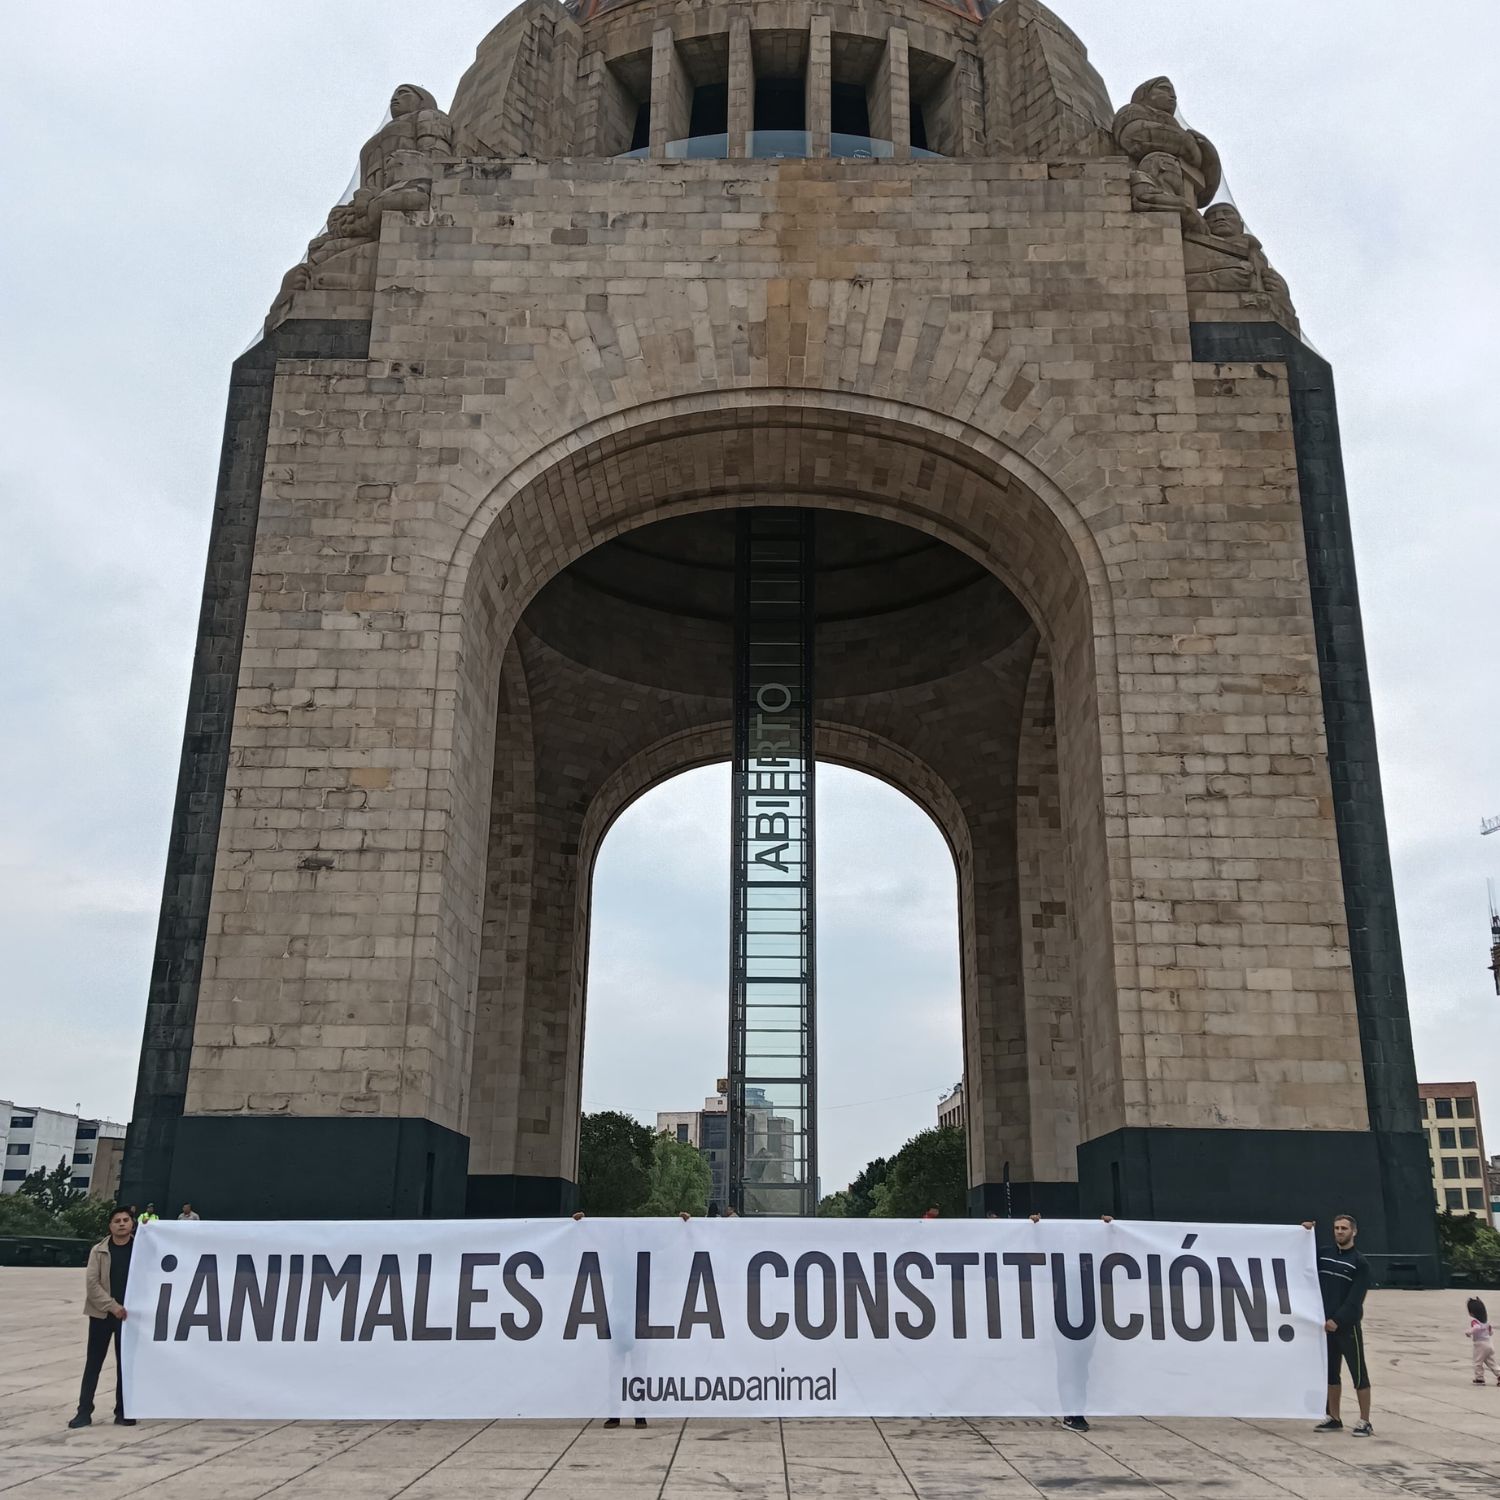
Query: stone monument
(1085, 591)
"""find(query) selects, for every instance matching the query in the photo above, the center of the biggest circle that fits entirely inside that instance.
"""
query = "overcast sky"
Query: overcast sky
(166, 162)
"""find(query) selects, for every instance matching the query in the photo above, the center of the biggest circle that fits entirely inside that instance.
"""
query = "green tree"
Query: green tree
(54, 1190)
(930, 1171)
(862, 1189)
(614, 1164)
(20, 1213)
(87, 1219)
(835, 1205)
(1470, 1249)
(680, 1180)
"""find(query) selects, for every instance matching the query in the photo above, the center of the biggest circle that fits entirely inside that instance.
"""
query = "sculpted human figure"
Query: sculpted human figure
(349, 225)
(1158, 183)
(1227, 257)
(1149, 124)
(395, 175)
(394, 163)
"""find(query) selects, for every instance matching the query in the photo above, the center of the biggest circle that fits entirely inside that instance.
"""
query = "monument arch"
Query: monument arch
(904, 267)
(637, 478)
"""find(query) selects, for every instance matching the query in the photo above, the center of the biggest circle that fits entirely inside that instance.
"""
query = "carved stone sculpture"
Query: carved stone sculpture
(395, 174)
(395, 166)
(1148, 125)
(1221, 255)
(1159, 182)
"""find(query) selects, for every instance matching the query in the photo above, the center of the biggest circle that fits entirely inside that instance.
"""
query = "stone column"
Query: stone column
(999, 1113)
(606, 112)
(1046, 948)
(741, 85)
(671, 93)
(819, 85)
(890, 98)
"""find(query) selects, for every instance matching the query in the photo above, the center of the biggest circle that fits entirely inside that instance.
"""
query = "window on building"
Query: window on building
(1469, 1137)
(640, 134)
(682, 1132)
(1476, 1199)
(1455, 1197)
(81, 1183)
(1443, 1108)
(15, 1174)
(87, 1132)
(849, 109)
(918, 127)
(22, 1122)
(780, 104)
(1465, 1108)
(624, 114)
(710, 112)
(1447, 1140)
(82, 1158)
(18, 1148)
(1450, 1166)
(1473, 1167)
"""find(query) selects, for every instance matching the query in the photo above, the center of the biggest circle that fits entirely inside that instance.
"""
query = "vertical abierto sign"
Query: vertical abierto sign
(772, 1011)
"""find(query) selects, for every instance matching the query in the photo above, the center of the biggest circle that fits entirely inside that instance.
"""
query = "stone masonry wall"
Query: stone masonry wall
(996, 352)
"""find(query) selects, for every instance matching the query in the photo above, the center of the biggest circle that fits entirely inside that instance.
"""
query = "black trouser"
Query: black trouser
(1346, 1346)
(101, 1331)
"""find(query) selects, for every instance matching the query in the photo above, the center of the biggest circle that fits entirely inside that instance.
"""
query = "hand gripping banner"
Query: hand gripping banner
(722, 1317)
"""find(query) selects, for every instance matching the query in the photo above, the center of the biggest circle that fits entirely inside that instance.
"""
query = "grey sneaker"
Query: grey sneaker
(1329, 1424)
(1362, 1429)
(1076, 1424)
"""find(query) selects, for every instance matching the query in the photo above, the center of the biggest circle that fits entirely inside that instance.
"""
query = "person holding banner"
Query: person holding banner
(105, 1278)
(639, 1421)
(1344, 1278)
(1078, 1423)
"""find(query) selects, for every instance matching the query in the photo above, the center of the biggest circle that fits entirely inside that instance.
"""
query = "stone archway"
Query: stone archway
(521, 1110)
(533, 349)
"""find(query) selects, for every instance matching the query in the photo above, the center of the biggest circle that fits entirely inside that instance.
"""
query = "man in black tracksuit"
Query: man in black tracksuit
(1344, 1278)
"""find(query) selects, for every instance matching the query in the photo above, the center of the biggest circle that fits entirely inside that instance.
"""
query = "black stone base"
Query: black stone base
(1261, 1177)
(1019, 1200)
(505, 1195)
(250, 1167)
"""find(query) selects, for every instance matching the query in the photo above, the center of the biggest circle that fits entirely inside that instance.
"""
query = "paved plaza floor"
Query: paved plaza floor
(1437, 1435)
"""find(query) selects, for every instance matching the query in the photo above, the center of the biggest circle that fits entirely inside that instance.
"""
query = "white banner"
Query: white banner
(722, 1317)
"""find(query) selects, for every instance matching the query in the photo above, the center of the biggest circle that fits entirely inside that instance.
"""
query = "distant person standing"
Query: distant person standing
(1483, 1335)
(1344, 1278)
(148, 1215)
(639, 1421)
(187, 1213)
(105, 1279)
(1076, 1423)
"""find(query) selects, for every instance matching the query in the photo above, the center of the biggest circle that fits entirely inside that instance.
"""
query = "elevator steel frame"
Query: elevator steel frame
(773, 1122)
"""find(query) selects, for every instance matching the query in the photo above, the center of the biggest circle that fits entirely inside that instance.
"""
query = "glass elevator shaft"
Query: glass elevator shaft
(773, 1131)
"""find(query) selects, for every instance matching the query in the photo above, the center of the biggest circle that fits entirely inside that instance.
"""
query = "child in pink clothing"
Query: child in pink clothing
(1484, 1342)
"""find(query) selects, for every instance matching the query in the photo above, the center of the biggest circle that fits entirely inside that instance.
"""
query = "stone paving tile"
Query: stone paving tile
(1438, 1436)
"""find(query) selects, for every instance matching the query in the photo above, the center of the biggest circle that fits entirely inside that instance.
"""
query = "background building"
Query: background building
(708, 1130)
(1455, 1142)
(770, 1141)
(33, 1138)
(109, 1157)
(951, 1109)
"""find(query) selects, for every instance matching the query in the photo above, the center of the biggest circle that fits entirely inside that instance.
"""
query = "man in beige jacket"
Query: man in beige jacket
(105, 1280)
